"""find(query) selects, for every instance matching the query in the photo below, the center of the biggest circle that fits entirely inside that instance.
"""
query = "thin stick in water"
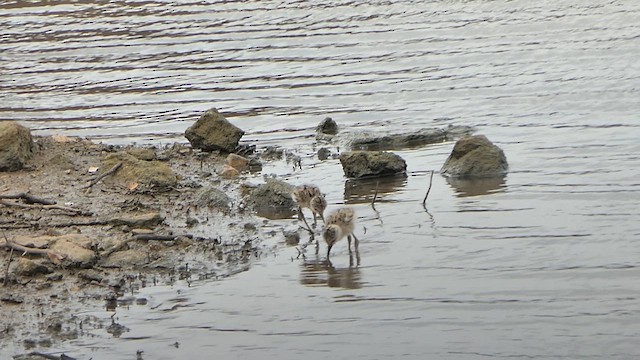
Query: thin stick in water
(424, 202)
(375, 196)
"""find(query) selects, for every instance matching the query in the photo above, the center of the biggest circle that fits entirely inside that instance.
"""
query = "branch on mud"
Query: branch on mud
(28, 198)
(147, 237)
(50, 357)
(46, 207)
(6, 273)
(115, 168)
(53, 256)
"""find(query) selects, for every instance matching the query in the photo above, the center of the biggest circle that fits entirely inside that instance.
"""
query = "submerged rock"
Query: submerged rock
(214, 132)
(475, 156)
(16, 146)
(385, 140)
(358, 164)
(272, 199)
(148, 173)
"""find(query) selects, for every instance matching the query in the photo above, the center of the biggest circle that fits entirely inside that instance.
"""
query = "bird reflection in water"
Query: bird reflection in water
(321, 272)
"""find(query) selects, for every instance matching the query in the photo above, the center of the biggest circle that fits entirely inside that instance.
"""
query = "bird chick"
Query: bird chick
(338, 224)
(310, 197)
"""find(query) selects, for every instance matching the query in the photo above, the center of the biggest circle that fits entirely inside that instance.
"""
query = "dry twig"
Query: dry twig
(53, 256)
(6, 273)
(45, 207)
(115, 168)
(375, 196)
(28, 198)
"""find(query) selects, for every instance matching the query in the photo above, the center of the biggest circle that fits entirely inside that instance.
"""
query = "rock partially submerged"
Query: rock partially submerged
(214, 132)
(359, 164)
(272, 199)
(475, 156)
(385, 140)
(16, 146)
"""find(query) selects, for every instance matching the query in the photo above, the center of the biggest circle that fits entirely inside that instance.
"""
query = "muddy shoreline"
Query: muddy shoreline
(137, 235)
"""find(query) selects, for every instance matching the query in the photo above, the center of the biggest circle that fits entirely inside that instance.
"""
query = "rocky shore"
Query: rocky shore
(86, 223)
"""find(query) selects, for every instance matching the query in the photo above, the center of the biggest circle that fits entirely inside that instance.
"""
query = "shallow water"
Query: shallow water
(540, 264)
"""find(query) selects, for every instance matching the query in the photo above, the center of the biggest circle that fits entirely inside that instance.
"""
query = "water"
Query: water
(541, 264)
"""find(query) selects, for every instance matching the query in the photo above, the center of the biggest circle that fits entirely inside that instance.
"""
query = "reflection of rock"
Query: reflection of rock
(475, 156)
(214, 132)
(321, 272)
(272, 199)
(358, 164)
(385, 140)
(360, 191)
(477, 186)
(15, 146)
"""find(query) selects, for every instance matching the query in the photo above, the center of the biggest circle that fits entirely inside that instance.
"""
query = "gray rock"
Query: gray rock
(475, 156)
(212, 197)
(75, 250)
(214, 132)
(154, 174)
(272, 199)
(385, 140)
(291, 236)
(125, 259)
(16, 146)
(145, 221)
(358, 164)
(327, 126)
(28, 267)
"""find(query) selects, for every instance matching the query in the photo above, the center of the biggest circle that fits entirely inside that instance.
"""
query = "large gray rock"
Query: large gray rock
(214, 132)
(272, 199)
(16, 146)
(358, 164)
(475, 156)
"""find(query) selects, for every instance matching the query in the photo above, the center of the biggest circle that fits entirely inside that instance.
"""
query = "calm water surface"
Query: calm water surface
(541, 264)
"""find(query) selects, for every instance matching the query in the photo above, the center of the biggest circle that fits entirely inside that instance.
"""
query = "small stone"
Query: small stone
(327, 127)
(28, 267)
(148, 221)
(229, 172)
(238, 162)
